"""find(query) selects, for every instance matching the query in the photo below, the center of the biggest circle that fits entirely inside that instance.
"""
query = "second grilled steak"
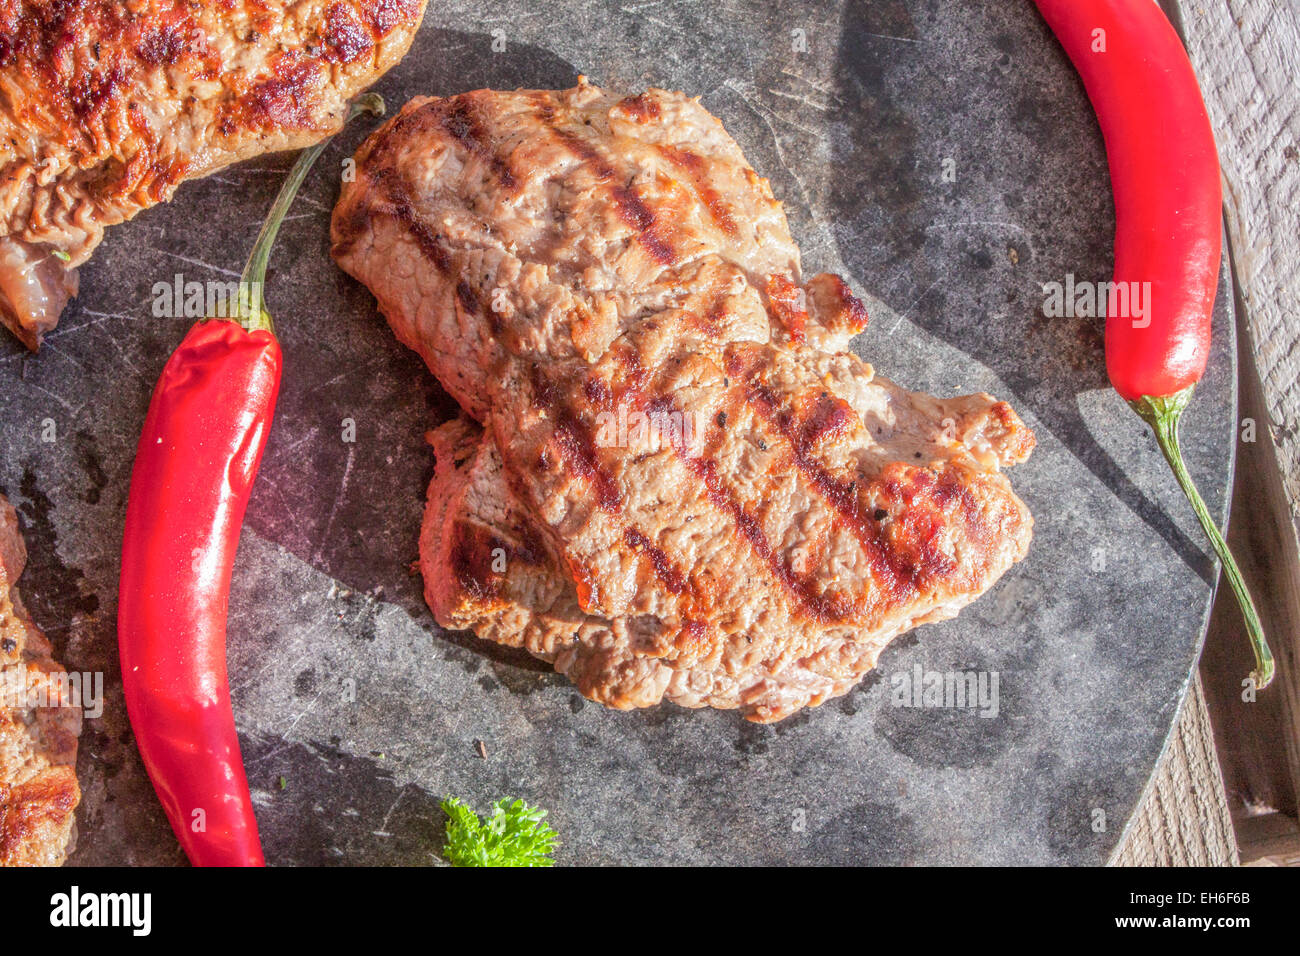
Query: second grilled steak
(107, 106)
(39, 726)
(680, 483)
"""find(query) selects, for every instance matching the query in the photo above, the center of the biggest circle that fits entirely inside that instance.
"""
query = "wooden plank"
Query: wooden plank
(1251, 732)
(1247, 54)
(1271, 839)
(1183, 819)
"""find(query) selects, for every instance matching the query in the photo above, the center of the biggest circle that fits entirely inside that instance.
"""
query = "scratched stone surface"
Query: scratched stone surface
(357, 713)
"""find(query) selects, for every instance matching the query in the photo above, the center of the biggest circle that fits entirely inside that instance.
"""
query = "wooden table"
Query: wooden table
(1247, 54)
(1183, 819)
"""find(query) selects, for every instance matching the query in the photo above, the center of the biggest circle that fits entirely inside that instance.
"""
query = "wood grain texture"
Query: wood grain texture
(1256, 748)
(1183, 819)
(1271, 839)
(1247, 55)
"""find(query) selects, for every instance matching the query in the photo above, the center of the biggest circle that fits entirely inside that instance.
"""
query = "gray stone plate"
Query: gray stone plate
(357, 713)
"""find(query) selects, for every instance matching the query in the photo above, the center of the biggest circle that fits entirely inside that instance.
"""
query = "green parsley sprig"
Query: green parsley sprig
(514, 834)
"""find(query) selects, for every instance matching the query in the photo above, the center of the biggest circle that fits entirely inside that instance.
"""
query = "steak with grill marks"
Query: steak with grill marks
(106, 106)
(671, 478)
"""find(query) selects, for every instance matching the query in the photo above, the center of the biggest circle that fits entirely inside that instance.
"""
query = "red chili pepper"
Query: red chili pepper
(194, 469)
(1164, 171)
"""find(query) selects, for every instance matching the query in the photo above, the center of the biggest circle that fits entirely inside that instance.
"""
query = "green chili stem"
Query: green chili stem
(253, 314)
(1163, 414)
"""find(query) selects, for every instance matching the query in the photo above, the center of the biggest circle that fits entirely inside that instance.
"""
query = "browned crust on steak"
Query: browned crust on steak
(621, 663)
(39, 726)
(560, 258)
(106, 106)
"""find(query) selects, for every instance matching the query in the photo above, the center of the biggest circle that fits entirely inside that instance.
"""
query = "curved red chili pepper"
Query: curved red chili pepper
(1164, 171)
(194, 469)
(1165, 177)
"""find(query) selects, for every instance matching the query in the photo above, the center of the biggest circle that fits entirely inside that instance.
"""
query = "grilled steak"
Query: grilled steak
(106, 106)
(39, 726)
(672, 479)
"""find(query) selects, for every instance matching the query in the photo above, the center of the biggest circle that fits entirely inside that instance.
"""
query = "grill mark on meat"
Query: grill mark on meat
(693, 165)
(382, 160)
(430, 245)
(822, 607)
(432, 248)
(408, 122)
(630, 206)
(578, 447)
(829, 416)
(672, 579)
(579, 451)
(471, 557)
(827, 419)
(909, 558)
(641, 218)
(575, 441)
(530, 548)
(467, 296)
(459, 117)
(831, 608)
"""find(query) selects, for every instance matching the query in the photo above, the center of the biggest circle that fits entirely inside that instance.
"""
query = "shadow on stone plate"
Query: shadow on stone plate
(365, 534)
(879, 164)
(383, 823)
